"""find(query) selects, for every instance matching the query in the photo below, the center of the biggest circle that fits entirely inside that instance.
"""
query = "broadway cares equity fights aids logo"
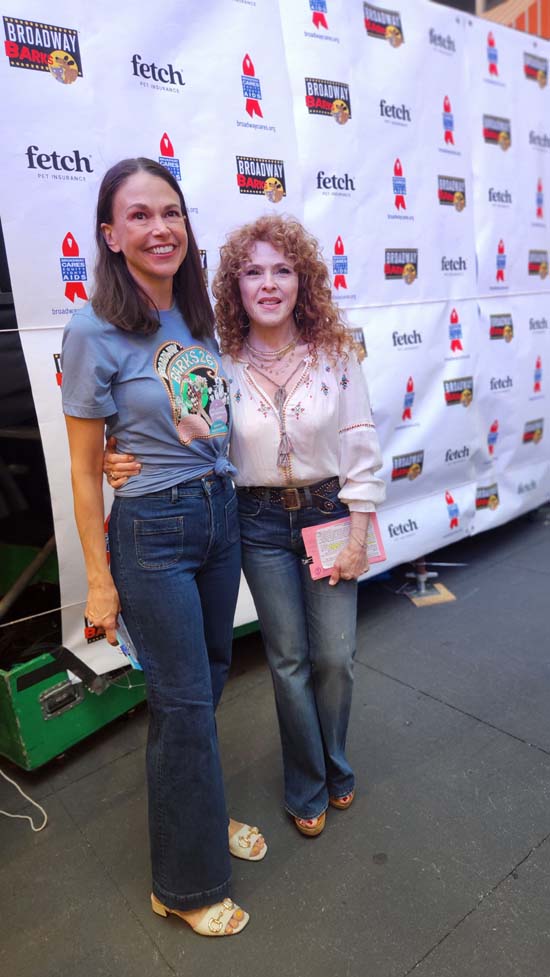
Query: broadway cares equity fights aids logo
(43, 47)
(384, 24)
(331, 98)
(339, 264)
(73, 269)
(168, 158)
(452, 510)
(252, 90)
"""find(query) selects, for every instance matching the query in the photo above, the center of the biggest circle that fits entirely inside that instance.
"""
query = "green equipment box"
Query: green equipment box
(43, 713)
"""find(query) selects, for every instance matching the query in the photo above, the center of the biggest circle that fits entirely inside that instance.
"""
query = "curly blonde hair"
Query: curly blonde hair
(318, 319)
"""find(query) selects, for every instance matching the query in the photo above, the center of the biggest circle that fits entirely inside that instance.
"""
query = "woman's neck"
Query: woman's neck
(271, 337)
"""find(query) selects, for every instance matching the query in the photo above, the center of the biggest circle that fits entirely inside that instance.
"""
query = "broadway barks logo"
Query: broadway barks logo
(407, 466)
(319, 13)
(459, 391)
(330, 98)
(492, 438)
(168, 158)
(452, 510)
(408, 401)
(399, 185)
(451, 192)
(501, 326)
(538, 263)
(384, 24)
(533, 431)
(401, 263)
(43, 47)
(73, 269)
(198, 394)
(448, 121)
(455, 332)
(339, 265)
(261, 176)
(252, 91)
(487, 496)
(497, 131)
(536, 69)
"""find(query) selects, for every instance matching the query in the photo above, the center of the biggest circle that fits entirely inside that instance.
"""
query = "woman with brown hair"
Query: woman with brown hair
(305, 450)
(140, 361)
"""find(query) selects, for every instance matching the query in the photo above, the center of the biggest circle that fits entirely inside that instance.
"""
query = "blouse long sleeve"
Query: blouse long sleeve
(359, 448)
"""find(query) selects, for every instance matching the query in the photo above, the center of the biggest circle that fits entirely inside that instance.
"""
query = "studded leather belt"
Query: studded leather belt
(292, 498)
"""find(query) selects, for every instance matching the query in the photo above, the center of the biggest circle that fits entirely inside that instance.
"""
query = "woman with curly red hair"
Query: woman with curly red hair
(306, 451)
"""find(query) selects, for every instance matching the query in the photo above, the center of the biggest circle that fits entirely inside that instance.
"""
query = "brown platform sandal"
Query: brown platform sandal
(311, 830)
(342, 802)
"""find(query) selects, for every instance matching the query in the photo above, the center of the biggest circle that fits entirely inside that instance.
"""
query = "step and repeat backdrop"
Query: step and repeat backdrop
(413, 141)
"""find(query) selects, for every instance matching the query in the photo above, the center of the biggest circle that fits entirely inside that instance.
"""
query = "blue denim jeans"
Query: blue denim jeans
(175, 558)
(309, 632)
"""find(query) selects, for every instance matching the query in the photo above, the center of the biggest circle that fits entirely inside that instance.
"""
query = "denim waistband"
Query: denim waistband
(196, 487)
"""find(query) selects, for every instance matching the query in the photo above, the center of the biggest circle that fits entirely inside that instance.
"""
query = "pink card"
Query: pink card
(325, 541)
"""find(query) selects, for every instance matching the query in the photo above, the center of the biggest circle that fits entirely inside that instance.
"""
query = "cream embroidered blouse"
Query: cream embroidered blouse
(329, 421)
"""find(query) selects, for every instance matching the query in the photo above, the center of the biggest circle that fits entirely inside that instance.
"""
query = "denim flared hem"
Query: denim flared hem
(195, 901)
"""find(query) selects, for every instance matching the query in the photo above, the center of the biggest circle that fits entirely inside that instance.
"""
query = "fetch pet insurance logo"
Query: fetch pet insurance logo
(497, 131)
(43, 47)
(538, 263)
(383, 24)
(329, 98)
(399, 184)
(58, 166)
(252, 90)
(448, 122)
(459, 391)
(501, 326)
(535, 69)
(73, 269)
(408, 401)
(319, 13)
(487, 497)
(261, 176)
(401, 263)
(455, 332)
(407, 466)
(451, 192)
(533, 431)
(168, 158)
(492, 438)
(339, 264)
(452, 510)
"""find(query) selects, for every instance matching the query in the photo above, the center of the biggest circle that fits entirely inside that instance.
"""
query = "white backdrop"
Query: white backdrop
(413, 141)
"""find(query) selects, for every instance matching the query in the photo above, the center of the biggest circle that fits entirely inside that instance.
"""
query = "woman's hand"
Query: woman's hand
(103, 607)
(350, 564)
(118, 468)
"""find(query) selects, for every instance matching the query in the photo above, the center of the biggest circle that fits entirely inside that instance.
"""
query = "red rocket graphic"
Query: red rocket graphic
(319, 15)
(166, 148)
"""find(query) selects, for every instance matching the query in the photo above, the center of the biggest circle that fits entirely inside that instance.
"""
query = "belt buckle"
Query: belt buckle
(290, 498)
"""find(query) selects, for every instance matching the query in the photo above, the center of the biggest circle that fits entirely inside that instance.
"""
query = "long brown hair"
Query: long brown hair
(317, 317)
(117, 296)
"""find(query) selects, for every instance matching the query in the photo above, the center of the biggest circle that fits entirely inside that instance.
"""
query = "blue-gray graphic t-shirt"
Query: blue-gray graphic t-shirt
(164, 397)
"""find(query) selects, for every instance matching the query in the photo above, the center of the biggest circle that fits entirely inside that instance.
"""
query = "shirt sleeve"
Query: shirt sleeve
(359, 455)
(89, 367)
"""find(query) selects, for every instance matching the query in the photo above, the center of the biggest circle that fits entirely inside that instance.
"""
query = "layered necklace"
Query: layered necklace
(270, 364)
